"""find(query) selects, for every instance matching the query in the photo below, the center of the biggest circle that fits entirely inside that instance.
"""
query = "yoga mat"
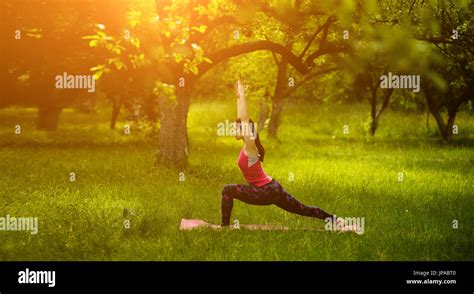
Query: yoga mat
(190, 224)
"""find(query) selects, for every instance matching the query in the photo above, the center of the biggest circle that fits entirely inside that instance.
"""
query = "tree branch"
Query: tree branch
(240, 49)
(412, 6)
(325, 25)
(307, 78)
(435, 41)
(331, 48)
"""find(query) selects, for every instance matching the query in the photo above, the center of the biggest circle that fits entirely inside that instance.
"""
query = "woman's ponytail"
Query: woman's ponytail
(261, 150)
(258, 144)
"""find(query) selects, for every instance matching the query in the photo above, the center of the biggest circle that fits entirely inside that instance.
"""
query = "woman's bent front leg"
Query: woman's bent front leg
(245, 193)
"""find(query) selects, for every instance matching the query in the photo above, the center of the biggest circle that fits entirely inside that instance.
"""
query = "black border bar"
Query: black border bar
(369, 275)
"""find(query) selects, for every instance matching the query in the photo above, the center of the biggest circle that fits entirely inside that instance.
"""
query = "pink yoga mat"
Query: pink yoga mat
(189, 224)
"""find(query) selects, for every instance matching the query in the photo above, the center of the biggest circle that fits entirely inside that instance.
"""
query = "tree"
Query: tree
(431, 39)
(282, 87)
(186, 62)
(303, 26)
(41, 41)
(451, 79)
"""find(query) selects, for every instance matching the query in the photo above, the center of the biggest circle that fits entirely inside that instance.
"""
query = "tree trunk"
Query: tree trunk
(277, 108)
(264, 111)
(420, 106)
(376, 114)
(173, 138)
(373, 111)
(445, 129)
(427, 120)
(448, 135)
(374, 125)
(449, 126)
(278, 99)
(442, 127)
(48, 117)
(117, 105)
(150, 107)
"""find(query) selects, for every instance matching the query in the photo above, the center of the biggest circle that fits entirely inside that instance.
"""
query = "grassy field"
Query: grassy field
(350, 175)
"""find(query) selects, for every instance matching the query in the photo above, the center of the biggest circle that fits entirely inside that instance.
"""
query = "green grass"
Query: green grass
(350, 175)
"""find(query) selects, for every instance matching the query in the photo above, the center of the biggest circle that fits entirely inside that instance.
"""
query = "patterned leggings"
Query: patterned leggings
(271, 193)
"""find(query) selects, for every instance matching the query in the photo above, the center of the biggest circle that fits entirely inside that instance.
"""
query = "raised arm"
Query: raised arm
(242, 112)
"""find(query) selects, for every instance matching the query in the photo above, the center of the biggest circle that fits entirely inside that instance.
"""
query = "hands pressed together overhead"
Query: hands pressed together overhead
(240, 89)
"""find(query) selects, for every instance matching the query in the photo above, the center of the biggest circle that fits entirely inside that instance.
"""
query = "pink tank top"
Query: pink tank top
(254, 175)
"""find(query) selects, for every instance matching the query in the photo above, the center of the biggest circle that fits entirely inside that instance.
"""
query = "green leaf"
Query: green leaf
(91, 37)
(119, 65)
(135, 42)
(202, 28)
(93, 43)
(24, 77)
(172, 25)
(193, 68)
(178, 57)
(97, 75)
(36, 36)
(98, 67)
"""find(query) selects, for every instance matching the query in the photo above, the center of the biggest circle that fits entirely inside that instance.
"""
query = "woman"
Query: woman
(262, 189)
